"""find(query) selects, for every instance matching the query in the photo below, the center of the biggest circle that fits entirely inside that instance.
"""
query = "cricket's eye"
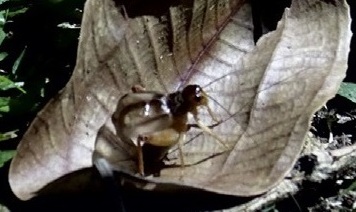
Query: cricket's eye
(198, 97)
(194, 95)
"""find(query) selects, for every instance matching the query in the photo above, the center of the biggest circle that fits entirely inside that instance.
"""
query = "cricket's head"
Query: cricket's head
(194, 96)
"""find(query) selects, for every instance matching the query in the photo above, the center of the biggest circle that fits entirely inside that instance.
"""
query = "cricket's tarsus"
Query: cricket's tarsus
(148, 117)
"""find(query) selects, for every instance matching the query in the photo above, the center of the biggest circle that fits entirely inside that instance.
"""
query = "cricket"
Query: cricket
(161, 120)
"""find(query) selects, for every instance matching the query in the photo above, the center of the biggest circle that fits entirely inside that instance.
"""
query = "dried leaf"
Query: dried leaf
(266, 94)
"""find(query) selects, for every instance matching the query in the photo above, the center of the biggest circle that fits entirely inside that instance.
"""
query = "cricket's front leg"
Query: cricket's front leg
(208, 131)
(181, 140)
(140, 162)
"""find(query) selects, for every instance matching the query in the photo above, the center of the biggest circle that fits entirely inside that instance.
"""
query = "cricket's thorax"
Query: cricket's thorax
(176, 104)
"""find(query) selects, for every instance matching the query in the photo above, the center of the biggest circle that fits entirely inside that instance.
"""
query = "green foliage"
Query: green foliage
(8, 135)
(36, 56)
(3, 55)
(14, 13)
(348, 90)
(36, 60)
(18, 61)
(5, 156)
(4, 105)
(6, 84)
(352, 187)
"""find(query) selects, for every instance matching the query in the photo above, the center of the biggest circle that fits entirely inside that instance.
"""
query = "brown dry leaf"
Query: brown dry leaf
(266, 94)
